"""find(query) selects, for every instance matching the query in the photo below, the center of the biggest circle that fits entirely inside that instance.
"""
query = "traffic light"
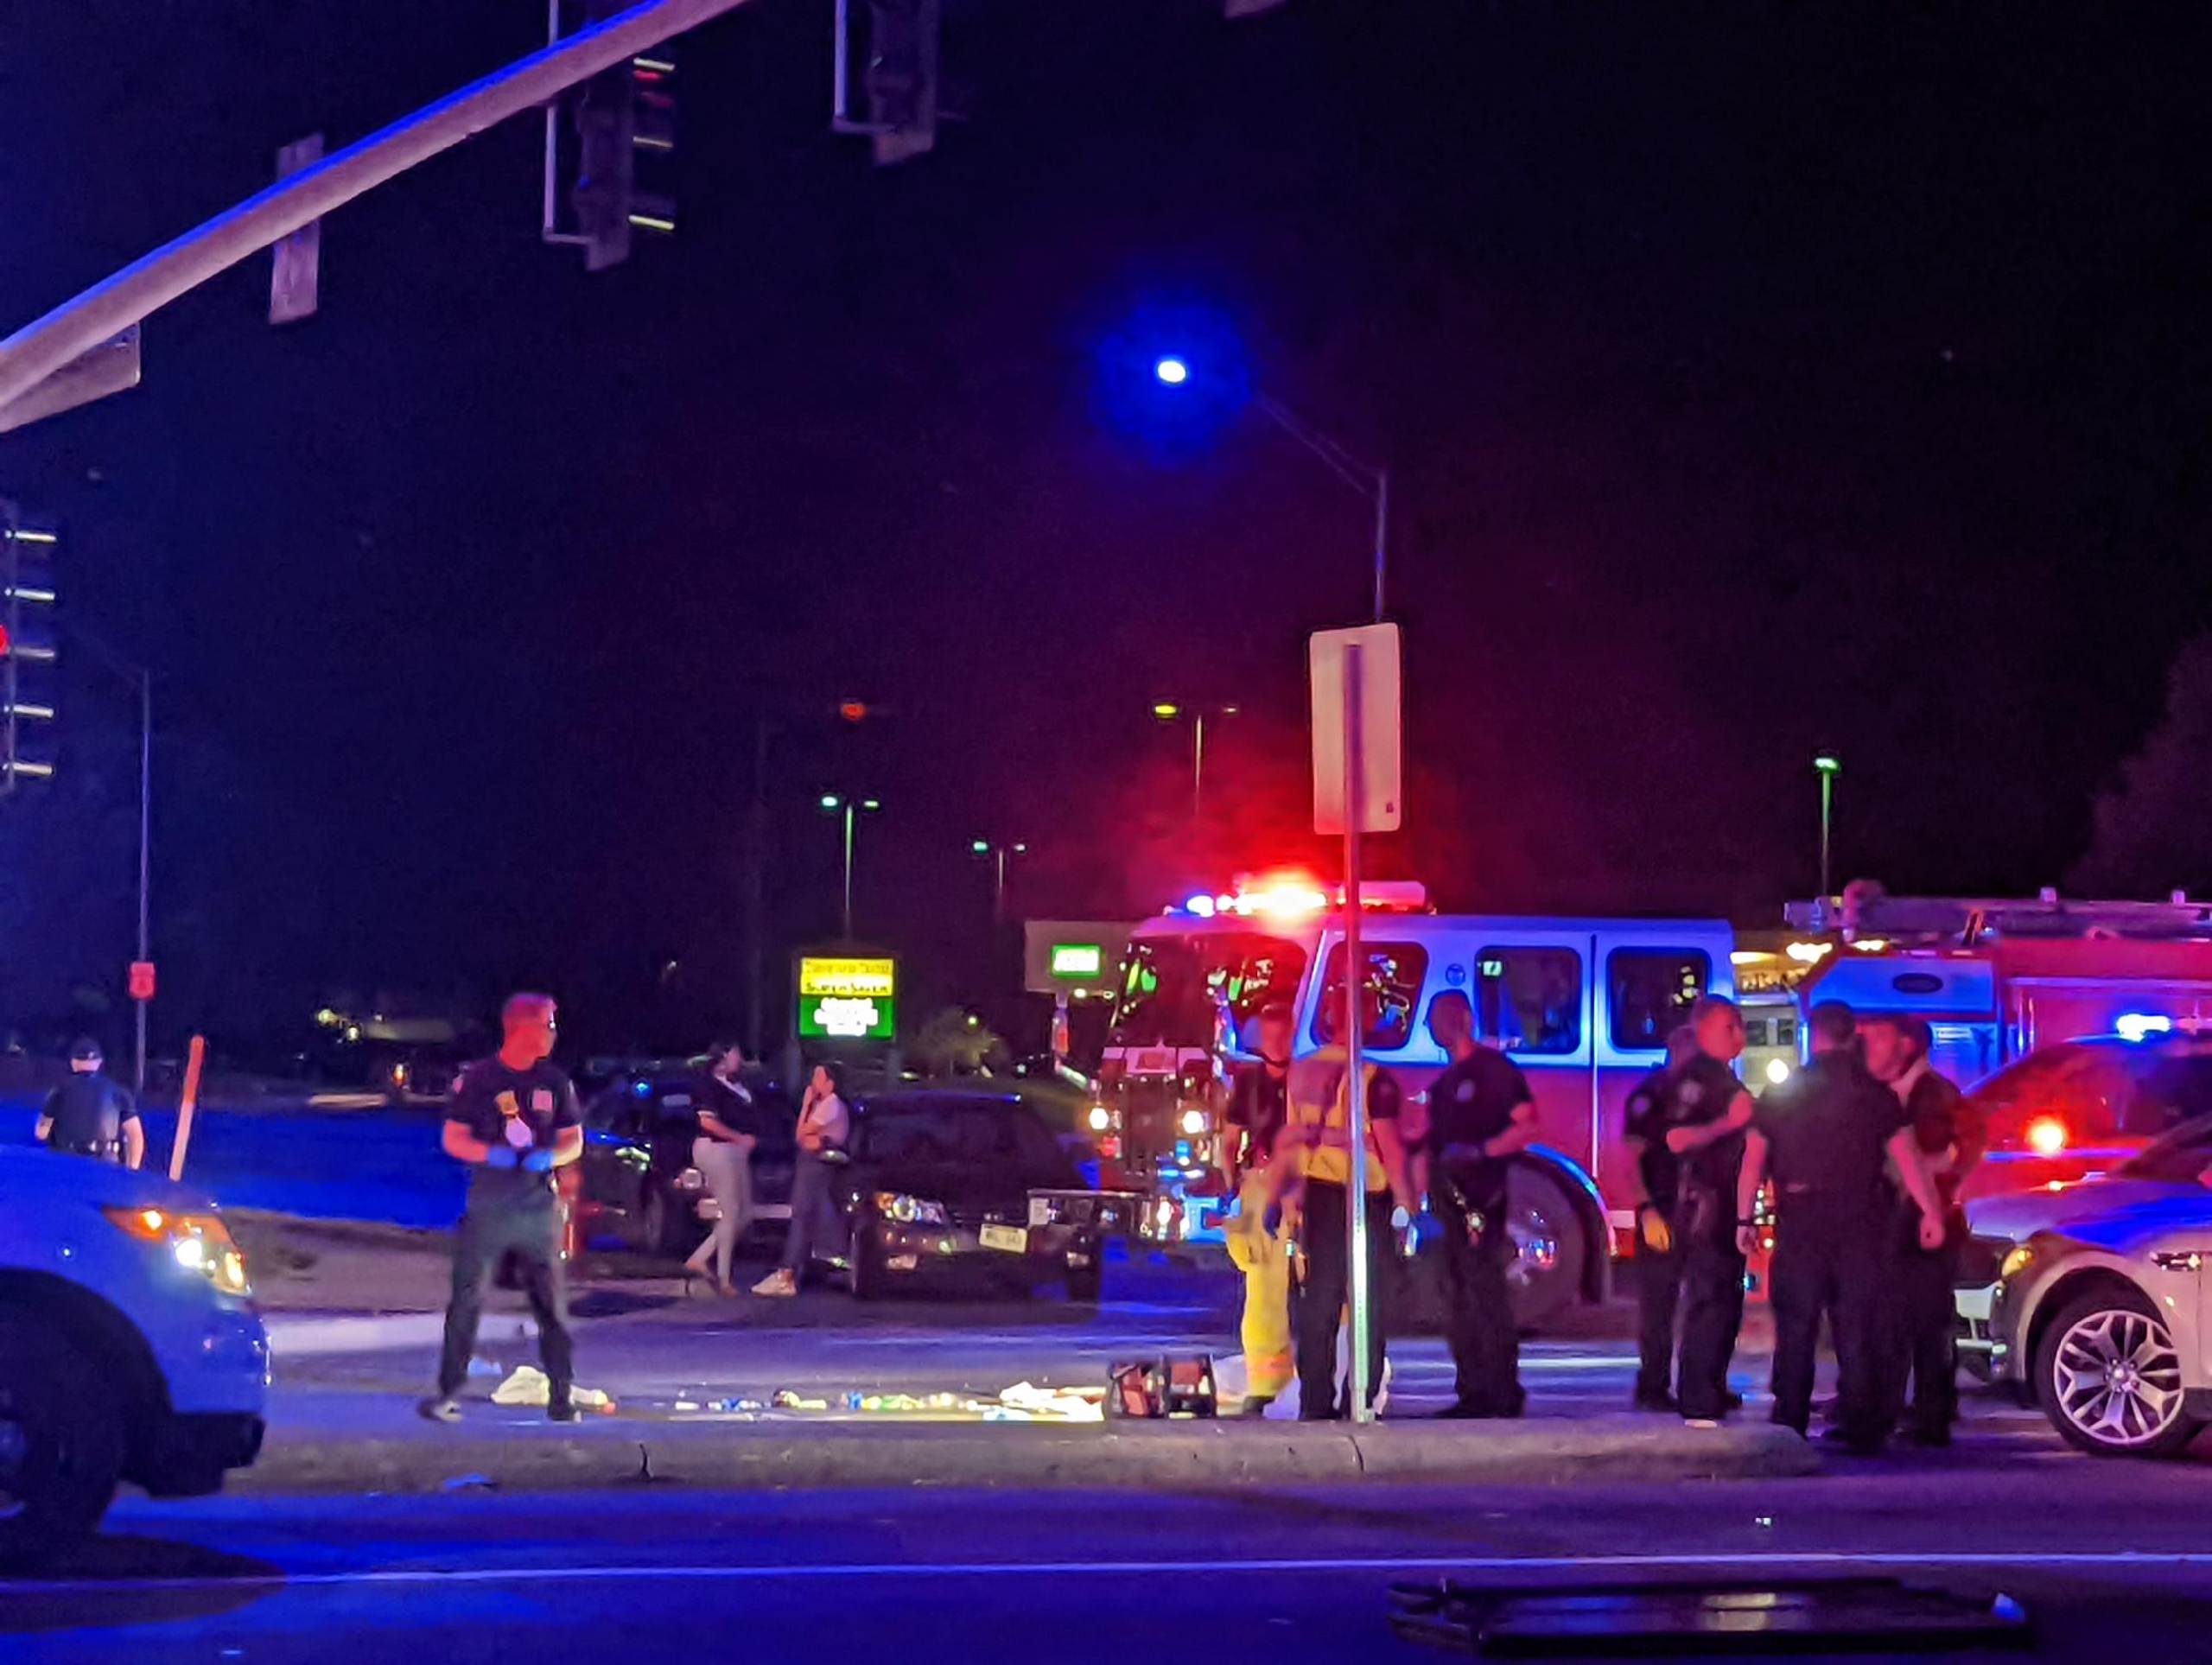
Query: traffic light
(897, 44)
(617, 155)
(28, 657)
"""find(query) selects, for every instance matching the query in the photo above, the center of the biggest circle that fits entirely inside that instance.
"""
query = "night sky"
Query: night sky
(1755, 379)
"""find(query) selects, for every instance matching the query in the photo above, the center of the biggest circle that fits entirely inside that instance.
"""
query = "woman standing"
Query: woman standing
(825, 1125)
(723, 1153)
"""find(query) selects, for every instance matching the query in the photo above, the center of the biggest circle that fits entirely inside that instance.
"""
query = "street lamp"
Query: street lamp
(849, 807)
(1174, 711)
(1828, 765)
(1368, 480)
(999, 852)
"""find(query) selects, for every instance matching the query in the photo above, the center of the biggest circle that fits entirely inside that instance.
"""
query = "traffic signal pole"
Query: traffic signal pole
(42, 348)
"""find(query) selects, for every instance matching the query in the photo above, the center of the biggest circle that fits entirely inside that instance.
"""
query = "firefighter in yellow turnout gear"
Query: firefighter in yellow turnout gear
(1260, 1246)
(1313, 1171)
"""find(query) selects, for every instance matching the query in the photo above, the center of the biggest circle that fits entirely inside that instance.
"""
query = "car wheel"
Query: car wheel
(660, 1225)
(1085, 1283)
(863, 1271)
(2108, 1377)
(1549, 1246)
(60, 1443)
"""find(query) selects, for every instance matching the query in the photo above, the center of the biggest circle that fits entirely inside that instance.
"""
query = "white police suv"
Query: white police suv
(130, 1347)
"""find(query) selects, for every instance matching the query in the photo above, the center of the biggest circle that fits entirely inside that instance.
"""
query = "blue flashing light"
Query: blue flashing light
(1171, 372)
(642, 1089)
(1199, 906)
(2138, 1026)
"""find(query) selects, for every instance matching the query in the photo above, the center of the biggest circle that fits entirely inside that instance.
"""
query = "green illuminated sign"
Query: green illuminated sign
(847, 999)
(1078, 961)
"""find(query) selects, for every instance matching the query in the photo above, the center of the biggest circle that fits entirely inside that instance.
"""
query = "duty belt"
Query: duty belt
(107, 1149)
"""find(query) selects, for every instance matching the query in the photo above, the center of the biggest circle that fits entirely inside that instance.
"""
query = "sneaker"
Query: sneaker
(1932, 1438)
(438, 1407)
(1660, 1400)
(1732, 1402)
(1256, 1404)
(1859, 1445)
(778, 1282)
(1700, 1422)
(563, 1411)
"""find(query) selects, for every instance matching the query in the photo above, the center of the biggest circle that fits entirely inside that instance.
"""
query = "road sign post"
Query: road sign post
(1357, 769)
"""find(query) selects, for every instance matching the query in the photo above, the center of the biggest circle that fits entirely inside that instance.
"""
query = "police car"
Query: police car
(2091, 1297)
(130, 1347)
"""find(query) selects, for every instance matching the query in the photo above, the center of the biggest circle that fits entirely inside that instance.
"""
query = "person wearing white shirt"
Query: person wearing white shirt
(825, 1124)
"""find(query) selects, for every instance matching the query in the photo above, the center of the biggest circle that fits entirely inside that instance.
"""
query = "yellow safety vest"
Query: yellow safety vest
(1320, 1119)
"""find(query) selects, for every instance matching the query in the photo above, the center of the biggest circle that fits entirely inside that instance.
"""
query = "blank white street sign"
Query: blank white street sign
(1380, 793)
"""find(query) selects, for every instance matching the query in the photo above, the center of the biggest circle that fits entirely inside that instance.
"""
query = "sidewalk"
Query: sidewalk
(375, 1443)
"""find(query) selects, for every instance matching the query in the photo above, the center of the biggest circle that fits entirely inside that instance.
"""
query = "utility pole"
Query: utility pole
(145, 861)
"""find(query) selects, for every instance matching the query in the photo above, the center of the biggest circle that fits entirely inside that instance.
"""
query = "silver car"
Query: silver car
(2097, 1309)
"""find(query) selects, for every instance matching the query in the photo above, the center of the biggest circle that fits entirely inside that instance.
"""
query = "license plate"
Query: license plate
(1041, 1211)
(1975, 1305)
(1012, 1238)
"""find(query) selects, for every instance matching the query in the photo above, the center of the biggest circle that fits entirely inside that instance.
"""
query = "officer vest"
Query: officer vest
(1320, 1119)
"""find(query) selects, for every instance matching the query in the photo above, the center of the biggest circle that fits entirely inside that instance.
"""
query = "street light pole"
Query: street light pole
(851, 807)
(1198, 768)
(999, 855)
(1828, 767)
(1368, 480)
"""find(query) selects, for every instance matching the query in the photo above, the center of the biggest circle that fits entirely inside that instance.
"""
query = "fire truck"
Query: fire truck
(2075, 1025)
(1584, 1006)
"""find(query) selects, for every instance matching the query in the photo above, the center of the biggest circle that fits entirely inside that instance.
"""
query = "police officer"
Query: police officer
(1948, 1138)
(1822, 1136)
(1653, 1173)
(1312, 1173)
(513, 1120)
(89, 1114)
(1258, 1105)
(1480, 1113)
(1706, 1112)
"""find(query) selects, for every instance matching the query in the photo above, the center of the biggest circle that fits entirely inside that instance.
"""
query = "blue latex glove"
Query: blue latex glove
(500, 1156)
(539, 1162)
(1428, 1230)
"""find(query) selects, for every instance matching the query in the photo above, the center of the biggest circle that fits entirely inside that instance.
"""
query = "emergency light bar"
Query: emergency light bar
(1302, 899)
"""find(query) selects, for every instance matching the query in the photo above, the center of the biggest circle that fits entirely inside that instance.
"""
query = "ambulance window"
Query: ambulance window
(1529, 1000)
(1394, 973)
(1650, 991)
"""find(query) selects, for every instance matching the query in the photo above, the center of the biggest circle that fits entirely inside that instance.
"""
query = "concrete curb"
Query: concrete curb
(755, 1457)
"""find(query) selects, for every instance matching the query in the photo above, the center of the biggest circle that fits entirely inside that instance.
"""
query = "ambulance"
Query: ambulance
(1584, 1006)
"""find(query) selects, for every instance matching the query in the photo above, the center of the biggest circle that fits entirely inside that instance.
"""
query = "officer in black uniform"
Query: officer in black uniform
(513, 1120)
(1480, 1113)
(90, 1115)
(1822, 1136)
(1705, 1111)
(1653, 1172)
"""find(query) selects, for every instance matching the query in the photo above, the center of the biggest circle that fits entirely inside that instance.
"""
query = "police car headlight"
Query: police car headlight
(199, 1243)
(902, 1210)
(2016, 1262)
(1194, 1123)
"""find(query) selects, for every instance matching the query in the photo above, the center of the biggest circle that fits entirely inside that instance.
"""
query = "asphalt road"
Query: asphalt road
(2113, 1561)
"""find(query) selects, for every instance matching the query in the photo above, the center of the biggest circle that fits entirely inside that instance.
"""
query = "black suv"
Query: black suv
(936, 1181)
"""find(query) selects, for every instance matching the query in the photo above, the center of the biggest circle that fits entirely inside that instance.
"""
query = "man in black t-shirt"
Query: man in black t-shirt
(1697, 1121)
(1823, 1136)
(513, 1120)
(90, 1115)
(1480, 1113)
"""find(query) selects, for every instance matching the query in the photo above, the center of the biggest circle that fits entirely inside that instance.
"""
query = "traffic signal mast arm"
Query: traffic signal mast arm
(39, 349)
